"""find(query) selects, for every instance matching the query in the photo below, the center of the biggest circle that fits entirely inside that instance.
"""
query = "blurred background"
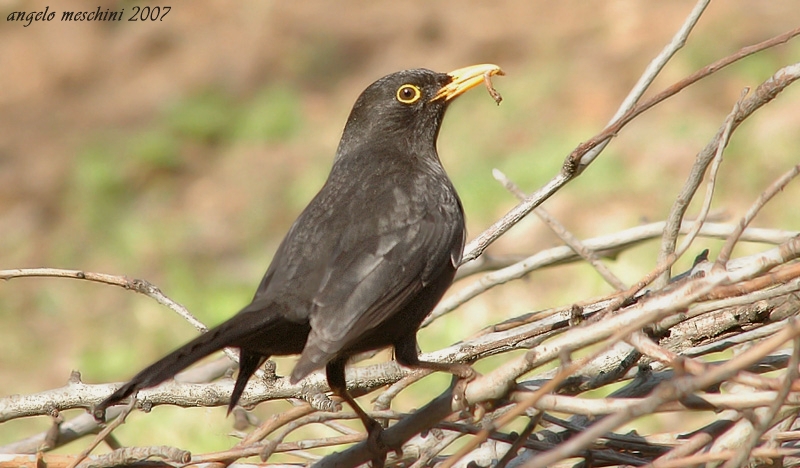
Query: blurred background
(180, 151)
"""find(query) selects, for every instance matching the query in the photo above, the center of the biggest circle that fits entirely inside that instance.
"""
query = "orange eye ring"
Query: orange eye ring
(408, 94)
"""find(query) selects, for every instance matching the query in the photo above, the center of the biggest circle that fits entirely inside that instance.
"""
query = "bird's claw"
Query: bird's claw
(375, 444)
(460, 402)
(320, 401)
(460, 387)
(378, 447)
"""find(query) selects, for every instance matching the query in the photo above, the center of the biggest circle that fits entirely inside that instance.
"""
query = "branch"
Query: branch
(609, 245)
(137, 285)
(475, 247)
(765, 93)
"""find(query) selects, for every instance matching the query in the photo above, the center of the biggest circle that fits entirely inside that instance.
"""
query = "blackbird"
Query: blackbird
(367, 259)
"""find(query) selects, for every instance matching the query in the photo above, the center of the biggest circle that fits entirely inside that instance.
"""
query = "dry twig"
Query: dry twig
(650, 341)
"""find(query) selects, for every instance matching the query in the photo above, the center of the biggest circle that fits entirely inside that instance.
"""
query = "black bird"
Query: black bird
(369, 257)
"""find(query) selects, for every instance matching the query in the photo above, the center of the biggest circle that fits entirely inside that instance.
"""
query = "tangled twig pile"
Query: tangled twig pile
(658, 337)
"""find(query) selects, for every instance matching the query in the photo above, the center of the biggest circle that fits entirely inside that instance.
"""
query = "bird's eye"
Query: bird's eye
(408, 94)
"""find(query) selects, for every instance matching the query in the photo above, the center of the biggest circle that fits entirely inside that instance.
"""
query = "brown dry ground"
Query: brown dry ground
(142, 149)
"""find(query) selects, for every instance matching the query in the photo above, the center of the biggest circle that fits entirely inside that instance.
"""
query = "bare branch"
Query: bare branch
(656, 343)
(570, 168)
(650, 73)
(772, 190)
(765, 93)
(608, 245)
(567, 237)
(138, 285)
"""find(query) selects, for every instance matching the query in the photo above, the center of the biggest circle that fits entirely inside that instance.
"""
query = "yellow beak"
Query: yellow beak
(467, 78)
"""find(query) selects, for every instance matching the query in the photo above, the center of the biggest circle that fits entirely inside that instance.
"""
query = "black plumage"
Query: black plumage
(369, 257)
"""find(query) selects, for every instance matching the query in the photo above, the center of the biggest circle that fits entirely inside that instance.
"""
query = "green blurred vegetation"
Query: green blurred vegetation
(183, 202)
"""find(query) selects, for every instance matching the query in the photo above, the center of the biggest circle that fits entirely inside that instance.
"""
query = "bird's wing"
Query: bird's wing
(379, 265)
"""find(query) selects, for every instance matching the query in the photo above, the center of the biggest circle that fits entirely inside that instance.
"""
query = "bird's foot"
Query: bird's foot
(460, 387)
(319, 400)
(375, 444)
(460, 402)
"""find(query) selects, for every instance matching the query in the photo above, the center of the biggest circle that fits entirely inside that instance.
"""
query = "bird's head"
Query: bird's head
(407, 107)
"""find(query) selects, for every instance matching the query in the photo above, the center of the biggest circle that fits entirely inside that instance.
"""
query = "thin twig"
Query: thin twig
(698, 459)
(779, 276)
(696, 441)
(673, 300)
(763, 94)
(771, 191)
(712, 179)
(137, 285)
(567, 237)
(669, 391)
(512, 451)
(501, 226)
(103, 434)
(650, 73)
(613, 243)
(274, 422)
(746, 449)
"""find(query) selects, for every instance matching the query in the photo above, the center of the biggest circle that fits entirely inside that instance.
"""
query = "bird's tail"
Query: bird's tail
(168, 366)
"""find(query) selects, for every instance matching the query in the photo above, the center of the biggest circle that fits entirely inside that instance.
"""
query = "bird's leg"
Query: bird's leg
(406, 354)
(336, 380)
